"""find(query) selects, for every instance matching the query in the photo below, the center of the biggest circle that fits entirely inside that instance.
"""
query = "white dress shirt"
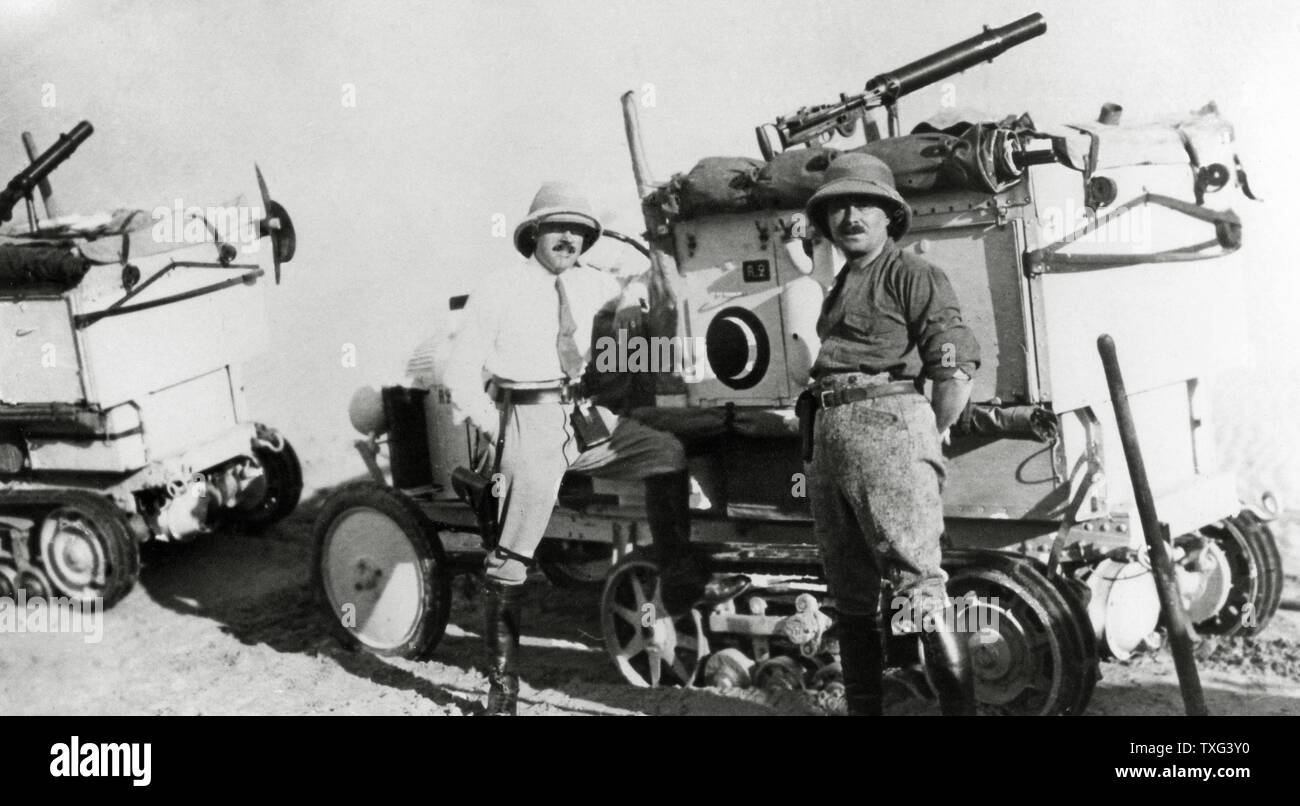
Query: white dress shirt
(509, 329)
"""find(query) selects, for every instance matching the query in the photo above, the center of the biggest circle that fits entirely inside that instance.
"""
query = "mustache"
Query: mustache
(565, 245)
(852, 228)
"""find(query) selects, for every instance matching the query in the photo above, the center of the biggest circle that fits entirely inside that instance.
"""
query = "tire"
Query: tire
(1268, 564)
(575, 564)
(380, 572)
(284, 485)
(87, 548)
(1036, 654)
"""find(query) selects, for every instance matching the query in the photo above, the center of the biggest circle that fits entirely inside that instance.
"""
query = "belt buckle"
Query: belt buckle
(822, 398)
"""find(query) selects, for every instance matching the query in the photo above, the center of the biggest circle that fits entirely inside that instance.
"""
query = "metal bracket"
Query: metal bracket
(1227, 226)
(119, 307)
(369, 450)
(1089, 475)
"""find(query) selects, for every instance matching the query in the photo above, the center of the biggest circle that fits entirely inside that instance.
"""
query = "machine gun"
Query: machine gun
(21, 186)
(815, 124)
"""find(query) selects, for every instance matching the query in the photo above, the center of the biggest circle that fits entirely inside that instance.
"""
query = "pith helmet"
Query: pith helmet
(556, 201)
(856, 174)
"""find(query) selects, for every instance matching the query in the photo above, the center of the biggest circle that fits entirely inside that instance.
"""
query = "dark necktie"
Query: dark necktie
(565, 344)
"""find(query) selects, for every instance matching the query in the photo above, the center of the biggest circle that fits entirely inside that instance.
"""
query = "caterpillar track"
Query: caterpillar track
(66, 542)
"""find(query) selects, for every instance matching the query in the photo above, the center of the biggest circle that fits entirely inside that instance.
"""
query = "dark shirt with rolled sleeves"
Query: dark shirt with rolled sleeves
(878, 312)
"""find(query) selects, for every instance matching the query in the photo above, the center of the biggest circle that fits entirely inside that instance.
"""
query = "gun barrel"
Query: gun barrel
(955, 58)
(27, 179)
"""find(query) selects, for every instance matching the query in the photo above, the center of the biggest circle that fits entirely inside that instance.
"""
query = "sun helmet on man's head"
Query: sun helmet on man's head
(557, 202)
(855, 174)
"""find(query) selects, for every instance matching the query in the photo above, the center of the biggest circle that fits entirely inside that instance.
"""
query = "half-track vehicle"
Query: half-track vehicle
(123, 415)
(1050, 238)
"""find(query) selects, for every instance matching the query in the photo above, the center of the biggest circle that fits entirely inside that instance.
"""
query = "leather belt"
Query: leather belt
(830, 398)
(534, 393)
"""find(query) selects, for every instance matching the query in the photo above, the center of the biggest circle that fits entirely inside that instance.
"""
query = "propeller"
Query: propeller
(277, 226)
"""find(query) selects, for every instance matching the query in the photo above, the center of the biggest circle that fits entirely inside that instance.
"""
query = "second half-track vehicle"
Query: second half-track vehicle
(123, 416)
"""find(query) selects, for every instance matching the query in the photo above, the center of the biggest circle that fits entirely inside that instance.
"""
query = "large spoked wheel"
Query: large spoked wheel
(649, 647)
(280, 485)
(381, 573)
(1258, 536)
(1029, 642)
(575, 564)
(87, 549)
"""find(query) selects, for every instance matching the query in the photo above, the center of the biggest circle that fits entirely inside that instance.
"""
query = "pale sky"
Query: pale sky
(462, 109)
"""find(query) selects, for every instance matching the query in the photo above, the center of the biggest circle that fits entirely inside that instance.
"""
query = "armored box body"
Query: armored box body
(1041, 270)
(143, 382)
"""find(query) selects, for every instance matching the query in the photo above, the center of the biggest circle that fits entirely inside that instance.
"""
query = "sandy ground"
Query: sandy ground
(226, 625)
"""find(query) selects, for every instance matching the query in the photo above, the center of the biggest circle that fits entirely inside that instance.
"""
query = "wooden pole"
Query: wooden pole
(1180, 633)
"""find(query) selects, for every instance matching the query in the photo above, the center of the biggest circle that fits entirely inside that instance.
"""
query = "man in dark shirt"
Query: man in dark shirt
(877, 467)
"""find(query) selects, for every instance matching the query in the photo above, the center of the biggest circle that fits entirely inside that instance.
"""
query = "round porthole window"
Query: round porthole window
(737, 348)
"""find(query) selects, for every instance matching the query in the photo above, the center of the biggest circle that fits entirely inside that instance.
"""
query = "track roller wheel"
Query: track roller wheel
(779, 673)
(649, 647)
(728, 668)
(87, 549)
(380, 572)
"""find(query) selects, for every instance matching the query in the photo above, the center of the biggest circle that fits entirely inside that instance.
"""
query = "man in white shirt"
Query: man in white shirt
(528, 327)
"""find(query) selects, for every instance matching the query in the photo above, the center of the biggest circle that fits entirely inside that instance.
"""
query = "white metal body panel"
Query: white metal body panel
(188, 413)
(1164, 426)
(1170, 322)
(235, 441)
(38, 352)
(1203, 500)
(171, 423)
(129, 356)
(45, 358)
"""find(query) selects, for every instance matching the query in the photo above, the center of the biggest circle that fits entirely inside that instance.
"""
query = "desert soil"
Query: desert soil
(227, 625)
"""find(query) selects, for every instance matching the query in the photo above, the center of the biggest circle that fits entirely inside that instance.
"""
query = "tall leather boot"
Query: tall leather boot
(668, 511)
(501, 637)
(683, 578)
(947, 659)
(862, 662)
